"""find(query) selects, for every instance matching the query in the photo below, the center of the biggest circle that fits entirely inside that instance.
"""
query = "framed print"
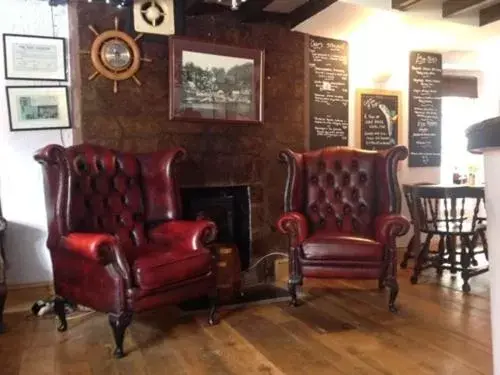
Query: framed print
(378, 119)
(215, 83)
(37, 58)
(38, 107)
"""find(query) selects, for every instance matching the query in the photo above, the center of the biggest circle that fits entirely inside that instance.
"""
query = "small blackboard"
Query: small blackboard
(424, 135)
(378, 119)
(328, 92)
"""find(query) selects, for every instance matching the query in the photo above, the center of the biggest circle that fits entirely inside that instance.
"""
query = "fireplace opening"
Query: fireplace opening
(229, 208)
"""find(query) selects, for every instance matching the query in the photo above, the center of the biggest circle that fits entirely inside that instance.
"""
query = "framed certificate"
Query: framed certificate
(38, 107)
(37, 58)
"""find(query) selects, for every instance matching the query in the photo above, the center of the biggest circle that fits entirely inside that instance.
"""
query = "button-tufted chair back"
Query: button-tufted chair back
(105, 194)
(106, 191)
(341, 189)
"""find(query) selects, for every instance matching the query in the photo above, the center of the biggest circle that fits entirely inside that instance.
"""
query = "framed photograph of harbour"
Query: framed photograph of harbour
(38, 107)
(32, 57)
(215, 83)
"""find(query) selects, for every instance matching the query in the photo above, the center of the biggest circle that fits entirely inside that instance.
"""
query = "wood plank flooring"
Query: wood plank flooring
(343, 327)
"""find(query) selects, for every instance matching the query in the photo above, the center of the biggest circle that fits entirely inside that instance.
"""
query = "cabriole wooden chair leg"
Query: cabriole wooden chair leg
(292, 289)
(119, 323)
(393, 286)
(213, 315)
(60, 310)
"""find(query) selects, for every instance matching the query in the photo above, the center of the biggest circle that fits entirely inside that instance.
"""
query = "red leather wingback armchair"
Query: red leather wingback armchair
(342, 215)
(116, 238)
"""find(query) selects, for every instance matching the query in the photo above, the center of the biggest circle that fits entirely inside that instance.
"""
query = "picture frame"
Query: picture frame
(378, 119)
(33, 57)
(38, 107)
(215, 83)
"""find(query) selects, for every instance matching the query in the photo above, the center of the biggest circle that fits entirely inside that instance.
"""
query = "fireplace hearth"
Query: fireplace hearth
(229, 208)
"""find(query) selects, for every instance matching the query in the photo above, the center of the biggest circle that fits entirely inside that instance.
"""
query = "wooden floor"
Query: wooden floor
(343, 328)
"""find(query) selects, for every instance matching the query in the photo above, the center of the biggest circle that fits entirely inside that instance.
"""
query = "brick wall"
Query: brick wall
(136, 119)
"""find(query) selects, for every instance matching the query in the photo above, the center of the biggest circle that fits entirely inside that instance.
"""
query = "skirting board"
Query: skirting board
(20, 297)
(47, 285)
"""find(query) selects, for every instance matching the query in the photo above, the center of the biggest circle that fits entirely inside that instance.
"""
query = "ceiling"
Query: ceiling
(286, 12)
(419, 28)
(380, 25)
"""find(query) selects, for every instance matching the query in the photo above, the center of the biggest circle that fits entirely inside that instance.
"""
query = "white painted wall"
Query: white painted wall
(21, 190)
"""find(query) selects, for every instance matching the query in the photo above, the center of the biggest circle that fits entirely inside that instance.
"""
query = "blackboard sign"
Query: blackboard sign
(425, 109)
(378, 118)
(328, 92)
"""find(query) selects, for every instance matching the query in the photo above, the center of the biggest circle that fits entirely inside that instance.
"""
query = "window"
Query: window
(458, 113)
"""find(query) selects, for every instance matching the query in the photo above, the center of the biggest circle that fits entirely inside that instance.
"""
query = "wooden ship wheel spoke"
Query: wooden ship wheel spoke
(115, 55)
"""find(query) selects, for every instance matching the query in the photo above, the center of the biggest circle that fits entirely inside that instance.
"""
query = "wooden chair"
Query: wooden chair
(442, 211)
(407, 193)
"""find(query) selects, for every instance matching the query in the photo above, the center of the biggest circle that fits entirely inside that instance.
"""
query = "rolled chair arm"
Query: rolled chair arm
(294, 224)
(100, 248)
(390, 226)
(49, 154)
(189, 235)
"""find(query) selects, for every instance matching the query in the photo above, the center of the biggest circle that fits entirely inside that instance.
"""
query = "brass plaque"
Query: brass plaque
(225, 250)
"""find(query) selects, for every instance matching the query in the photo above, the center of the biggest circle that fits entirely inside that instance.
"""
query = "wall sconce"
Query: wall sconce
(381, 76)
(235, 4)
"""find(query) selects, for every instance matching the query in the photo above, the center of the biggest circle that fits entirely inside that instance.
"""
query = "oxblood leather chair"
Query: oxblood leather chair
(115, 236)
(342, 215)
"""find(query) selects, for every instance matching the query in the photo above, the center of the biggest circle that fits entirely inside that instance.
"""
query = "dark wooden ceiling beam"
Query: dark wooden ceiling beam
(452, 7)
(197, 7)
(253, 10)
(489, 15)
(307, 10)
(404, 4)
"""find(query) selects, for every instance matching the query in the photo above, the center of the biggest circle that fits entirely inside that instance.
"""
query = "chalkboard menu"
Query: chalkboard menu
(378, 118)
(425, 109)
(328, 92)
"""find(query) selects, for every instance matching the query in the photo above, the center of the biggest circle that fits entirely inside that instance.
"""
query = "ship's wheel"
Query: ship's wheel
(115, 55)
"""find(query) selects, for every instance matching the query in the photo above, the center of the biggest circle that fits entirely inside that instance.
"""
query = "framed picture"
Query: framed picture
(38, 107)
(378, 119)
(37, 58)
(215, 83)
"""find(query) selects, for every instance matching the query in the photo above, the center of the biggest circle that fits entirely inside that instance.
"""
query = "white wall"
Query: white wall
(367, 61)
(21, 190)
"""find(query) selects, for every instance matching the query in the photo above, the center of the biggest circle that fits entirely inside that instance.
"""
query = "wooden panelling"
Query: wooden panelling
(466, 87)
(308, 10)
(404, 4)
(452, 7)
(252, 11)
(489, 14)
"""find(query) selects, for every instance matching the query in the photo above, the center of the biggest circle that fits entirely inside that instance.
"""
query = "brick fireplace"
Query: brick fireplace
(229, 208)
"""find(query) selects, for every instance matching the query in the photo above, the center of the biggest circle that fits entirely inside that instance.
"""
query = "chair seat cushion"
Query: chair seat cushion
(337, 246)
(157, 269)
